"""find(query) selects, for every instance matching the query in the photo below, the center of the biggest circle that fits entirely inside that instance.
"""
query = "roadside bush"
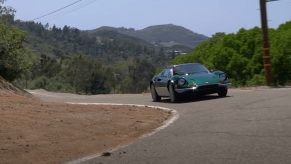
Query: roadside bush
(117, 89)
(55, 85)
(41, 82)
(257, 80)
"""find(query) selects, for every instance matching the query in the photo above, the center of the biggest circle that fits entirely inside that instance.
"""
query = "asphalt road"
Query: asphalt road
(247, 127)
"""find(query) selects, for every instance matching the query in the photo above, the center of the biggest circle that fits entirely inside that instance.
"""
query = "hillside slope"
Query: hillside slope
(8, 89)
(161, 33)
(106, 46)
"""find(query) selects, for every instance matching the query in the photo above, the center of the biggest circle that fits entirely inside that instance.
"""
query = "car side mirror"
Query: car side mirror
(211, 71)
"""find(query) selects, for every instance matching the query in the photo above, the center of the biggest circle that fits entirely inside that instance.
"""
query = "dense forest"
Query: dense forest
(240, 55)
(83, 75)
(106, 46)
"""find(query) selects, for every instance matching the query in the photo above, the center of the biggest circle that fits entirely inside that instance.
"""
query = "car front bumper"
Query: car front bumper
(208, 88)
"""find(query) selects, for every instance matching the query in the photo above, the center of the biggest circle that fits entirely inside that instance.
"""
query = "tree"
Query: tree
(240, 55)
(66, 31)
(140, 80)
(97, 84)
(83, 73)
(14, 57)
(6, 12)
(47, 26)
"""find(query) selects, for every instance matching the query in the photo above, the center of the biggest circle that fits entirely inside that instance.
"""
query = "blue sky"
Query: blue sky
(204, 17)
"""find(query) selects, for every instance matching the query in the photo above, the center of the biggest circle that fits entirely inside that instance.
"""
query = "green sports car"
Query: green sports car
(188, 79)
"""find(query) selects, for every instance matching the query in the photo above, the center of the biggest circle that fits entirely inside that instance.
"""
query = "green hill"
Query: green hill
(106, 46)
(161, 33)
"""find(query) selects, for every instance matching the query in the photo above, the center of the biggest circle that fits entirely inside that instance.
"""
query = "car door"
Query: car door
(162, 82)
(158, 83)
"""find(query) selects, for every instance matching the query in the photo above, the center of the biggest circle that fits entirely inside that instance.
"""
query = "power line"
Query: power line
(57, 10)
(79, 7)
(67, 11)
(60, 13)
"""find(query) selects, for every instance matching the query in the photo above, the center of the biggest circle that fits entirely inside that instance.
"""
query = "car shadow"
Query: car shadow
(189, 99)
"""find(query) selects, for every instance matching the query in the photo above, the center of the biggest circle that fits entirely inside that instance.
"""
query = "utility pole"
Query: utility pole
(266, 46)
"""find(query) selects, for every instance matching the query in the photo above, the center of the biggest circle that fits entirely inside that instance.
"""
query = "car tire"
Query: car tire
(155, 96)
(173, 94)
(222, 92)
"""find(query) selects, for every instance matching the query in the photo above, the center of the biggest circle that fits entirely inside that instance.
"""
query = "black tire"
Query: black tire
(155, 96)
(174, 96)
(222, 92)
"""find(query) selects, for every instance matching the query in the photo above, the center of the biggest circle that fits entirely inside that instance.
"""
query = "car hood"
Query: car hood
(200, 79)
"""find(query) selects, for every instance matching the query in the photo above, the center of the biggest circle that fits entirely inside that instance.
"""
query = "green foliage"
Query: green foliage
(57, 84)
(83, 75)
(97, 85)
(109, 47)
(140, 72)
(117, 89)
(41, 82)
(14, 57)
(257, 80)
(6, 12)
(240, 55)
(159, 70)
(281, 54)
(126, 85)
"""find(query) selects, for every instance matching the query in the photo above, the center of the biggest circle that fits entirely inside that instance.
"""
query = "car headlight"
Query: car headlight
(181, 82)
(222, 76)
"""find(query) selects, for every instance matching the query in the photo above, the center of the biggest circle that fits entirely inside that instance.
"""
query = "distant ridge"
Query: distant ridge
(161, 34)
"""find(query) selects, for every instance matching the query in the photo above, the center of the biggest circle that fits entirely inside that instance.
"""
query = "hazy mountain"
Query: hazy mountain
(158, 34)
(107, 46)
(112, 34)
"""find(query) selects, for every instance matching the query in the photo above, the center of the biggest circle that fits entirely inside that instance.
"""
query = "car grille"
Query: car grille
(210, 86)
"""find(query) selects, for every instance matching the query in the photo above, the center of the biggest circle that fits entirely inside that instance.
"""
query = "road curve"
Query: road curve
(247, 127)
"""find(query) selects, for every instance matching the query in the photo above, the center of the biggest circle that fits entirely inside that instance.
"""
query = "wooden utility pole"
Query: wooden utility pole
(266, 46)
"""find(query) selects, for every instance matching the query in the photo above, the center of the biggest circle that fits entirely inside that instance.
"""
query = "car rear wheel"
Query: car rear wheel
(155, 96)
(173, 94)
(222, 92)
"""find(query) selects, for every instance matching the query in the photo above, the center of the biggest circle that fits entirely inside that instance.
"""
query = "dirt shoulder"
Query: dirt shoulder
(34, 131)
(8, 89)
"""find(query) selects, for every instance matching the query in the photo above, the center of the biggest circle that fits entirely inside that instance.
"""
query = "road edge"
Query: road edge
(166, 123)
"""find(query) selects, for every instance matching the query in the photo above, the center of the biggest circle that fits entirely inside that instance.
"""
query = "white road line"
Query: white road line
(269, 89)
(165, 124)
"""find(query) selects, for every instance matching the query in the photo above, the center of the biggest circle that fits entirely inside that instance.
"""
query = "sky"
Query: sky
(203, 17)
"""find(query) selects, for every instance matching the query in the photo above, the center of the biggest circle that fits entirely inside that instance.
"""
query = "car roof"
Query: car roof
(180, 65)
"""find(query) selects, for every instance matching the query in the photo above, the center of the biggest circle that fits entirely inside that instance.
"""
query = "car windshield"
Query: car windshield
(190, 69)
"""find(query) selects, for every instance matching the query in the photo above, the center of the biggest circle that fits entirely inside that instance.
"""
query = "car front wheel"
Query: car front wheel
(222, 92)
(173, 94)
(155, 96)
